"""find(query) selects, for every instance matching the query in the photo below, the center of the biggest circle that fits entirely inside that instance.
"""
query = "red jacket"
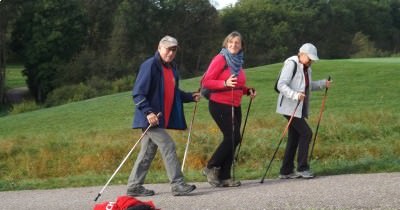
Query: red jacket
(214, 80)
(122, 203)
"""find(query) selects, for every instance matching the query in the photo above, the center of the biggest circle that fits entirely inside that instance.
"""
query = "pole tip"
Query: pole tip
(98, 195)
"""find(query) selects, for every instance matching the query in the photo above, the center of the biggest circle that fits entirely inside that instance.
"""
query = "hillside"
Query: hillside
(82, 143)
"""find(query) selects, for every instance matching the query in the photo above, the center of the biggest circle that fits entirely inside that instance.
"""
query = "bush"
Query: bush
(70, 93)
(25, 106)
(123, 84)
(362, 47)
(101, 86)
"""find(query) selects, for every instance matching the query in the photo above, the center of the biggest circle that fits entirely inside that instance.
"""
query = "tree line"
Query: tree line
(87, 43)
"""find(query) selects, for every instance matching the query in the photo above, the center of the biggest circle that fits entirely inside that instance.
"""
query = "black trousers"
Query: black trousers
(224, 154)
(299, 138)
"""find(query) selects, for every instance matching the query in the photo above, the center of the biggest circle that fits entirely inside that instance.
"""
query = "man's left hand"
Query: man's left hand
(196, 96)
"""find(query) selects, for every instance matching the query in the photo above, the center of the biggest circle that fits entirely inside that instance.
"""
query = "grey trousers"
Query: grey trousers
(156, 138)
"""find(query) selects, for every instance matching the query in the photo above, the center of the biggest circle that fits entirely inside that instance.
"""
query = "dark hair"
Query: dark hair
(140, 207)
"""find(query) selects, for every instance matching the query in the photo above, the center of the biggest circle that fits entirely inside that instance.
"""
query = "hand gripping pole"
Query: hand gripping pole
(123, 161)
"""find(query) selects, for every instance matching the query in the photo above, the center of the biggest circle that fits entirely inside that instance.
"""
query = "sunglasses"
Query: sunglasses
(173, 49)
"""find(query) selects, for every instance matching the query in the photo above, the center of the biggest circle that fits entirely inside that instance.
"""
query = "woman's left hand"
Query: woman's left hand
(252, 92)
(328, 83)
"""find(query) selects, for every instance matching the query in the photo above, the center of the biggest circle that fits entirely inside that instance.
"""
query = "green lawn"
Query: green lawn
(82, 143)
(14, 77)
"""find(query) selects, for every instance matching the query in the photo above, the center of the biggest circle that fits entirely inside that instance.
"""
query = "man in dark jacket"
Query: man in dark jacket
(157, 90)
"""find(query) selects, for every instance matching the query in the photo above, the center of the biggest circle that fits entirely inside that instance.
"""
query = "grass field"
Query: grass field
(14, 76)
(82, 143)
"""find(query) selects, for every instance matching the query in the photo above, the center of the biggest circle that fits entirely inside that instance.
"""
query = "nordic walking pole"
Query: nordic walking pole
(319, 120)
(188, 139)
(233, 138)
(280, 141)
(123, 161)
(243, 129)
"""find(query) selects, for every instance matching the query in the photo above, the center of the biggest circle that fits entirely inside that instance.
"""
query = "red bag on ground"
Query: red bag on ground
(125, 203)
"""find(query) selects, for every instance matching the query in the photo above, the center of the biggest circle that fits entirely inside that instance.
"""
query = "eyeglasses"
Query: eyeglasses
(173, 49)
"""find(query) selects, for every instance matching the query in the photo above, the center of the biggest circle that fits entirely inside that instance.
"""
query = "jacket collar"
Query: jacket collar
(160, 62)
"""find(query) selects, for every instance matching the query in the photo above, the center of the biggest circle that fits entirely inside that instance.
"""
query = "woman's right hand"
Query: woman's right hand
(231, 81)
(301, 96)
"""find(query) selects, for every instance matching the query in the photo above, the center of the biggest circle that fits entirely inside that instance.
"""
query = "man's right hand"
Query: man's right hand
(152, 119)
(196, 96)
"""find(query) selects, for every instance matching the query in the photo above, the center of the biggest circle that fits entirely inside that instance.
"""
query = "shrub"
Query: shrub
(25, 106)
(69, 93)
(123, 84)
(362, 47)
(101, 86)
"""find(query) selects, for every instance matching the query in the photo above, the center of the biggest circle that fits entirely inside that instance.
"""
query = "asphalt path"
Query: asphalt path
(350, 191)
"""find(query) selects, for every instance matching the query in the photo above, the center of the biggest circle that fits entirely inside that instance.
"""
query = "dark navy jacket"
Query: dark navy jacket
(148, 95)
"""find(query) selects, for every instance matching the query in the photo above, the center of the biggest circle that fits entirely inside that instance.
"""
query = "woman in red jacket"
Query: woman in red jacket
(226, 80)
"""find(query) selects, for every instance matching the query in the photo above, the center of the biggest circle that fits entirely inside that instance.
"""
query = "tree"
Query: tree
(195, 23)
(136, 27)
(272, 29)
(362, 47)
(92, 60)
(3, 28)
(140, 24)
(47, 35)
(100, 14)
(5, 11)
(8, 10)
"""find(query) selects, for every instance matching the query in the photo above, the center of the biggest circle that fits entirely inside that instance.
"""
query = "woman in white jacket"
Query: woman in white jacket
(295, 85)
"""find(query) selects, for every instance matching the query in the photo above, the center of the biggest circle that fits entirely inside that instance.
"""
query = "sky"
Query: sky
(223, 3)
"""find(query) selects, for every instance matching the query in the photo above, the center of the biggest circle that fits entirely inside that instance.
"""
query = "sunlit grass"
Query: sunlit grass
(14, 77)
(82, 143)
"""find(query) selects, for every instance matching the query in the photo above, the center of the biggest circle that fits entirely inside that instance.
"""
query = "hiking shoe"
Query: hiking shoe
(212, 175)
(139, 191)
(182, 189)
(306, 174)
(229, 183)
(289, 176)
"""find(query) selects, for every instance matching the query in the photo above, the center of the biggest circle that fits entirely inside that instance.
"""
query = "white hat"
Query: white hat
(310, 50)
(168, 41)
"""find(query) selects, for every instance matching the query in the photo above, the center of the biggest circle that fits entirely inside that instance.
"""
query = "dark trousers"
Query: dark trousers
(224, 154)
(299, 138)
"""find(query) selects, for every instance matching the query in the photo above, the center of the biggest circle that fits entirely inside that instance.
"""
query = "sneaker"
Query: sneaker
(139, 191)
(212, 175)
(306, 174)
(289, 176)
(229, 183)
(182, 189)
